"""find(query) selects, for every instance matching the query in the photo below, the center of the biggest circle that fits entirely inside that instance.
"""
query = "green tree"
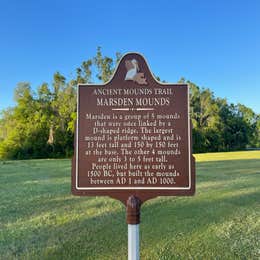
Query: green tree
(41, 124)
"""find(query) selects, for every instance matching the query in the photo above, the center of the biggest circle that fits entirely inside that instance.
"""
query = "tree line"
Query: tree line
(41, 124)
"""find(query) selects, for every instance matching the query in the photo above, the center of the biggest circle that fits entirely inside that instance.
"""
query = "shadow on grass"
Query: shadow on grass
(76, 239)
(104, 235)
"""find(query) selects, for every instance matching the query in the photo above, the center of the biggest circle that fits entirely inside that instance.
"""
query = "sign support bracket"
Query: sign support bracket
(133, 220)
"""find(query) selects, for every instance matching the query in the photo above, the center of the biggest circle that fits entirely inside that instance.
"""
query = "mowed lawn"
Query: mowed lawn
(40, 219)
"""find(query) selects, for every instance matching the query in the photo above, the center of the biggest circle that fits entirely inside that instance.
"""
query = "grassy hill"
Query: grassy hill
(40, 219)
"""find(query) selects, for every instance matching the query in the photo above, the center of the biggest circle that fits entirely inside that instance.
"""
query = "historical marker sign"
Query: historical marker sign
(133, 136)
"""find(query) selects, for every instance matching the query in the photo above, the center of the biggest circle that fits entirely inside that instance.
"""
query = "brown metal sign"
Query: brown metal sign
(133, 136)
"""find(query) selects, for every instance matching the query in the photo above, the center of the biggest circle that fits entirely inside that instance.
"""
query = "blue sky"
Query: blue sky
(215, 44)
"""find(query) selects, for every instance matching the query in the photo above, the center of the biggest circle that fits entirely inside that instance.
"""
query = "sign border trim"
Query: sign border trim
(131, 187)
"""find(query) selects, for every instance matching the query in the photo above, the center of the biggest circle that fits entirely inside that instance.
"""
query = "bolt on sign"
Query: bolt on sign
(133, 136)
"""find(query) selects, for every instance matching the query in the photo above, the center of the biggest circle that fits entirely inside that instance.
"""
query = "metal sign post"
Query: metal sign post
(133, 220)
(133, 242)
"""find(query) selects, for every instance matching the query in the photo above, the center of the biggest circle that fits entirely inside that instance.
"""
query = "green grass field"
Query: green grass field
(40, 219)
